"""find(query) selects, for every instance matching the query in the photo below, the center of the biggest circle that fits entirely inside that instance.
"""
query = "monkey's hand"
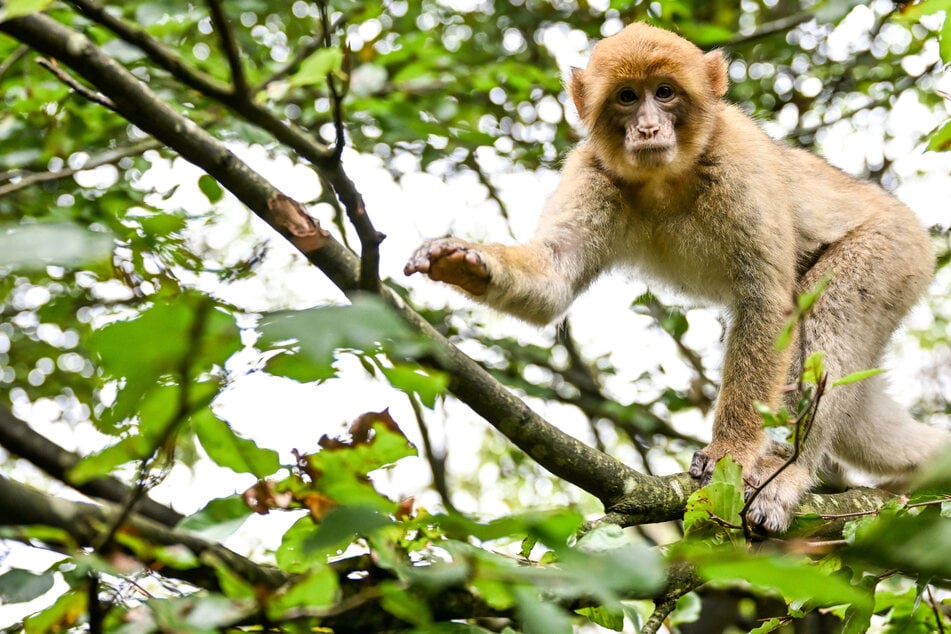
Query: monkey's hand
(704, 460)
(453, 261)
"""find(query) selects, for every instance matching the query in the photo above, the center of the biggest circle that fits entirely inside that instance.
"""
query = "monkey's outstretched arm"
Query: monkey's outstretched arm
(537, 280)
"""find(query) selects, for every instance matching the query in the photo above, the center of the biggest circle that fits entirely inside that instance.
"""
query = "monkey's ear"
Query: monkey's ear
(716, 72)
(576, 90)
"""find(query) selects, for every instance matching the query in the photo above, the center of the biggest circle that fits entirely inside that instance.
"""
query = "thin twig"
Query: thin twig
(437, 462)
(230, 44)
(13, 58)
(337, 93)
(803, 424)
(107, 158)
(63, 76)
(938, 614)
(472, 163)
(184, 408)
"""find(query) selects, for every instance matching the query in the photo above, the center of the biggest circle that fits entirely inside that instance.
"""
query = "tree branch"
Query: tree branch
(95, 97)
(107, 158)
(12, 59)
(23, 506)
(19, 439)
(255, 113)
(230, 44)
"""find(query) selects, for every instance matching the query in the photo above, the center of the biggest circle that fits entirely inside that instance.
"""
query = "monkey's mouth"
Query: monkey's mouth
(650, 154)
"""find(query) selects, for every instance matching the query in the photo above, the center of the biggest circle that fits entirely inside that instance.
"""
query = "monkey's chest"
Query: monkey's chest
(692, 262)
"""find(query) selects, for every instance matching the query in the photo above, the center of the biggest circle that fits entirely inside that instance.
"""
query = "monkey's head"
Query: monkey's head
(647, 99)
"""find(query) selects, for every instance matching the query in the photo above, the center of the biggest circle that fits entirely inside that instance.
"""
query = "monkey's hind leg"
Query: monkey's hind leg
(878, 272)
(891, 444)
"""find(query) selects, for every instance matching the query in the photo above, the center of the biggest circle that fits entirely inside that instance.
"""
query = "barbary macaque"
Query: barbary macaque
(684, 186)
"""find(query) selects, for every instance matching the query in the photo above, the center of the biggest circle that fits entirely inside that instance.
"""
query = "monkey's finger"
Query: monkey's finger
(416, 265)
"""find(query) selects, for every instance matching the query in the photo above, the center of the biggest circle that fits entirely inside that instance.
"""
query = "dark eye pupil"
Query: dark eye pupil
(665, 92)
(627, 95)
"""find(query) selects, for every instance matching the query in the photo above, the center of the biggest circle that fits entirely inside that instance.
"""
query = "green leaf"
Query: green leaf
(65, 612)
(414, 379)
(230, 450)
(914, 12)
(341, 526)
(210, 188)
(102, 463)
(404, 604)
(317, 589)
(368, 325)
(314, 69)
(675, 323)
(721, 499)
(17, 8)
(219, 518)
(793, 577)
(806, 300)
(770, 625)
(814, 368)
(20, 586)
(940, 140)
(157, 338)
(36, 246)
(857, 376)
(158, 342)
(611, 618)
(539, 616)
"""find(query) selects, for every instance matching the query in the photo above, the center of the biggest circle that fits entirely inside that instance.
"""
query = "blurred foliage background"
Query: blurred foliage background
(146, 315)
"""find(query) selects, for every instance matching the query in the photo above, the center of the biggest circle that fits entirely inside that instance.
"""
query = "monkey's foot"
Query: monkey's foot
(704, 460)
(453, 261)
(773, 507)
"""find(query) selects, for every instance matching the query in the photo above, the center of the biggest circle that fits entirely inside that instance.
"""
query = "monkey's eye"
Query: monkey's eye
(627, 96)
(664, 92)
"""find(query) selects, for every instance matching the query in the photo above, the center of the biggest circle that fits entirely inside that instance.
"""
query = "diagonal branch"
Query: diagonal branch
(162, 56)
(19, 438)
(60, 74)
(563, 455)
(23, 506)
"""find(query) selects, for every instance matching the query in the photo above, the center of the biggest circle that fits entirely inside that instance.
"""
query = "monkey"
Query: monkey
(674, 181)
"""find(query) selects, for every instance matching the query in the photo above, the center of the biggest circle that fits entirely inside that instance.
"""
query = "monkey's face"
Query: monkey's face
(644, 116)
(647, 99)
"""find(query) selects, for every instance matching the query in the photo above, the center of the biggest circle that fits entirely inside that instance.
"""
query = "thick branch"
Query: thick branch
(22, 506)
(19, 439)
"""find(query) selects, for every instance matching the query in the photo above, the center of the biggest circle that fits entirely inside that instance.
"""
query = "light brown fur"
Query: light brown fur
(724, 213)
